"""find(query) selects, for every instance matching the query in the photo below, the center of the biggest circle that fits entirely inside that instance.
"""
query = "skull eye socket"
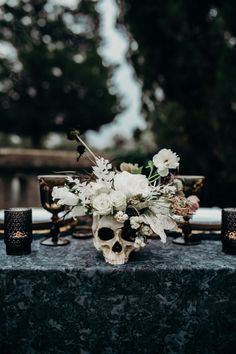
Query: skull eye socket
(128, 234)
(105, 234)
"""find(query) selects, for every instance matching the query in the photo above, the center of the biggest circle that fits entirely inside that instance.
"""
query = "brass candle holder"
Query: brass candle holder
(46, 185)
(191, 186)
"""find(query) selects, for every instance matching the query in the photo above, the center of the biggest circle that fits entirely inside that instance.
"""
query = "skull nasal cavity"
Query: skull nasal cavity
(105, 234)
(117, 248)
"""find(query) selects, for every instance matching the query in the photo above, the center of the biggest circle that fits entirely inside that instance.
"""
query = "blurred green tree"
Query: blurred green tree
(51, 76)
(184, 53)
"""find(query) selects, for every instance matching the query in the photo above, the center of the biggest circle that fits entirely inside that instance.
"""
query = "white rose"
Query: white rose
(102, 204)
(94, 188)
(64, 196)
(165, 159)
(131, 185)
(118, 200)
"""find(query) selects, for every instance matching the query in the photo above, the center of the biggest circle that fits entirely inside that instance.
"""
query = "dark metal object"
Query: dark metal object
(83, 232)
(228, 230)
(191, 186)
(46, 184)
(84, 227)
(18, 230)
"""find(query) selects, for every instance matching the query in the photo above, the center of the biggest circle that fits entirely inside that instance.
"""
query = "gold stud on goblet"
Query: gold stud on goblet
(46, 184)
(191, 186)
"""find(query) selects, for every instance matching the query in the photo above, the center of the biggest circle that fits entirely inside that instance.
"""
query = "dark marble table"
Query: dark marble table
(167, 299)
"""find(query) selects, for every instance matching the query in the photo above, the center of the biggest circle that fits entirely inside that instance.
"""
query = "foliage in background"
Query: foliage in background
(186, 58)
(53, 77)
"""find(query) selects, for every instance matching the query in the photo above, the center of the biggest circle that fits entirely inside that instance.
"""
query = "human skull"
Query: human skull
(111, 238)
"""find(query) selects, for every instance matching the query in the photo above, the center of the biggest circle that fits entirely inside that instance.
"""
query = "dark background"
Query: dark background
(184, 56)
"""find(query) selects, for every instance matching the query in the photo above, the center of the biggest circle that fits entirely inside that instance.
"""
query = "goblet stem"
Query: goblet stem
(186, 229)
(55, 230)
(55, 239)
(187, 239)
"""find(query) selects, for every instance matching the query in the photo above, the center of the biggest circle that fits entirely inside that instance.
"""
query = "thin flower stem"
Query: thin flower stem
(78, 138)
(156, 176)
(154, 182)
(90, 159)
(150, 173)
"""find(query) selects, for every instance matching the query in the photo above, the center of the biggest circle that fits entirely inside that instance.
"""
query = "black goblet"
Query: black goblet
(46, 185)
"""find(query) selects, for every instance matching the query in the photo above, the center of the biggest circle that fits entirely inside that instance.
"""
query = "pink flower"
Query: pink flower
(184, 206)
(193, 203)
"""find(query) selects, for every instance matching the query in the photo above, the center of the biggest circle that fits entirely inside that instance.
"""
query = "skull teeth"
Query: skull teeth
(116, 261)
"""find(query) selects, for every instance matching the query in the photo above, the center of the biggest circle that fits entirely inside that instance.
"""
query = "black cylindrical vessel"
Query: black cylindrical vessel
(228, 230)
(18, 230)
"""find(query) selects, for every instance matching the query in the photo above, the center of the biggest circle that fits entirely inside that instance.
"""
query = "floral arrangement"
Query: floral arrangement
(145, 199)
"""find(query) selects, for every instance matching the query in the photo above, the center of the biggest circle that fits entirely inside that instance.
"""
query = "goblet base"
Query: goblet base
(181, 241)
(60, 242)
(83, 232)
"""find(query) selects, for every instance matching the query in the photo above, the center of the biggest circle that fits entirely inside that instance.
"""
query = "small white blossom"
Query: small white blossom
(121, 216)
(135, 222)
(145, 230)
(139, 242)
(165, 159)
